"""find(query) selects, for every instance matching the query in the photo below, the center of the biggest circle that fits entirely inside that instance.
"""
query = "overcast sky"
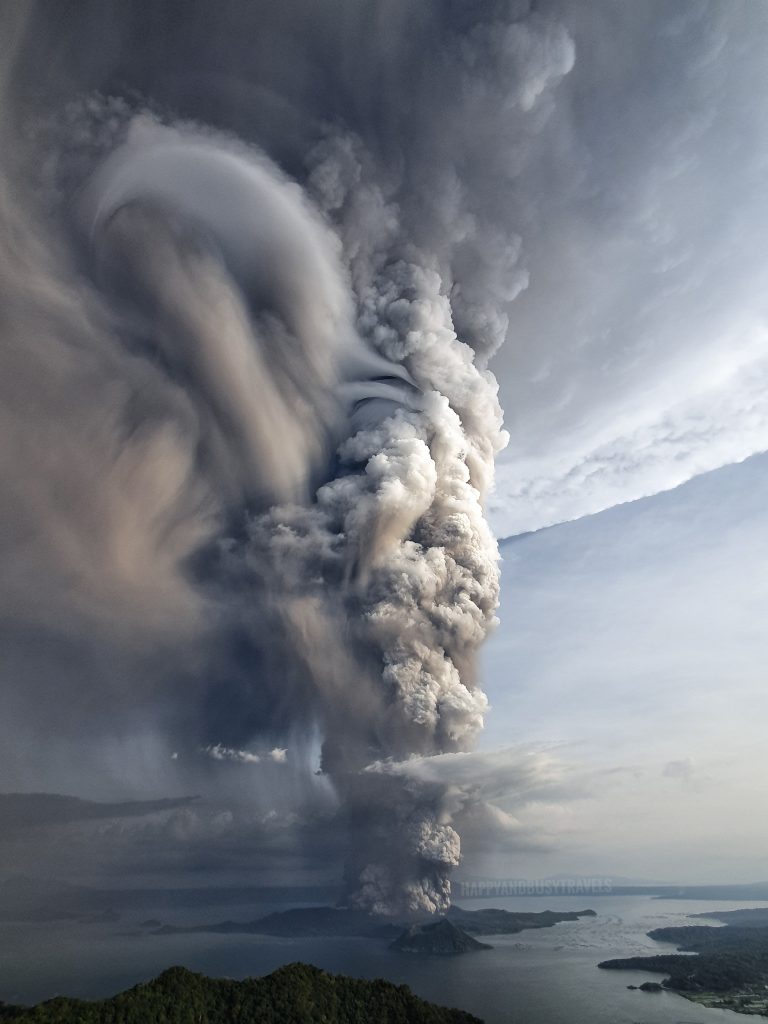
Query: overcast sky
(591, 177)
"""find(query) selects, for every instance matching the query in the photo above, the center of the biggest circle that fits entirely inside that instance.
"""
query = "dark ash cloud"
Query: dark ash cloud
(258, 260)
(29, 810)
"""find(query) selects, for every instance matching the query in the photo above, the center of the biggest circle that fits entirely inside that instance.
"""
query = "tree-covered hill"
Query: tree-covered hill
(295, 994)
(729, 959)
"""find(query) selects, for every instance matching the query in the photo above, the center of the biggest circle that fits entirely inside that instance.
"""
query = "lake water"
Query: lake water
(547, 976)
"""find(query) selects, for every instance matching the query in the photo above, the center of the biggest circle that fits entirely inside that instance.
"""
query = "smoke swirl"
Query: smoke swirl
(294, 316)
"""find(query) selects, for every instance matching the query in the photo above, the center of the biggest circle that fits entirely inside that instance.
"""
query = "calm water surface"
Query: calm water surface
(535, 977)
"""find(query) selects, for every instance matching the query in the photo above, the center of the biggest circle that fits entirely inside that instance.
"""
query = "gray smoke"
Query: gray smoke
(276, 295)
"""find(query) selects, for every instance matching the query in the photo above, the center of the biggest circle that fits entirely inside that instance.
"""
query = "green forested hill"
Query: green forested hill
(296, 994)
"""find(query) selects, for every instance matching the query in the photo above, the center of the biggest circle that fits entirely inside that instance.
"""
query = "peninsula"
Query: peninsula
(729, 970)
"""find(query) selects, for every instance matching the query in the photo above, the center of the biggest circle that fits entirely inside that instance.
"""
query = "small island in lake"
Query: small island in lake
(439, 938)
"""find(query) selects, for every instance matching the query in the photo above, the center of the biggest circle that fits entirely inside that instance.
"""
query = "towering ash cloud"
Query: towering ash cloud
(250, 299)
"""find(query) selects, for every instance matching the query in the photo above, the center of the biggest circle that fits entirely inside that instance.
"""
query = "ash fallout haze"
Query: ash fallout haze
(252, 284)
(268, 272)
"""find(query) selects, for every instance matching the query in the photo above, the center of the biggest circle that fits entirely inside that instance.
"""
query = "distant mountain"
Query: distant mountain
(296, 994)
(745, 891)
(441, 938)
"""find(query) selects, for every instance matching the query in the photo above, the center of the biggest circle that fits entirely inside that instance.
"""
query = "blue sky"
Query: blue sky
(632, 646)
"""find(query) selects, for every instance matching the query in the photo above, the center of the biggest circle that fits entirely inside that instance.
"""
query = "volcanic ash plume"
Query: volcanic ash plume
(318, 347)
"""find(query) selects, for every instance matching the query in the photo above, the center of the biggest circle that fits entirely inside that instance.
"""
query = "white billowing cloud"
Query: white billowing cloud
(515, 774)
(217, 751)
(501, 801)
(221, 753)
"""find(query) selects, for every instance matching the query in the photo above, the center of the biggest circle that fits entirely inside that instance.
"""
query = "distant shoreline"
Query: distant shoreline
(545, 889)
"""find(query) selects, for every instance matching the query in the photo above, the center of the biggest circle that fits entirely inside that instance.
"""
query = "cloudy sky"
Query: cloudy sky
(632, 640)
(636, 357)
(577, 190)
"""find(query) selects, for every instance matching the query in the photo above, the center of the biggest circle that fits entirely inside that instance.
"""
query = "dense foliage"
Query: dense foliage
(729, 959)
(296, 994)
